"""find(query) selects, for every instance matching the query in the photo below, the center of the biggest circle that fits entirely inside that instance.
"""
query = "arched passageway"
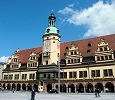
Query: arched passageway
(4, 87)
(109, 87)
(18, 87)
(49, 87)
(99, 86)
(29, 87)
(89, 88)
(80, 88)
(71, 88)
(62, 88)
(24, 87)
(13, 86)
(8, 86)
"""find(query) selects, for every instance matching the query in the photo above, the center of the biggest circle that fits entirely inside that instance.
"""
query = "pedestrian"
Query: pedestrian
(13, 90)
(33, 95)
(98, 90)
(95, 92)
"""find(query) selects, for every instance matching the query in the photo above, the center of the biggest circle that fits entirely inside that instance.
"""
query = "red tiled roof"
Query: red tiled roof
(81, 44)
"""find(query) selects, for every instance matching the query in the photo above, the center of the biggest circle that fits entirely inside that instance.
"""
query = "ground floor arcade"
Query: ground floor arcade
(67, 86)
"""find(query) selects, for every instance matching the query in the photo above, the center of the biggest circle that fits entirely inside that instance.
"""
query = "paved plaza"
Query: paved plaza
(9, 95)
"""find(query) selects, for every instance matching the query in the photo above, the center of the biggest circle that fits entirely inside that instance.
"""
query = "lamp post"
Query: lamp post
(58, 73)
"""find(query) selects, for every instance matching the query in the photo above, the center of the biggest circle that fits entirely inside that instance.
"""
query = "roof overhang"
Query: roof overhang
(47, 70)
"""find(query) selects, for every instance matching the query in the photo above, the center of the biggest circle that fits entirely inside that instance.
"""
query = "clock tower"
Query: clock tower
(51, 42)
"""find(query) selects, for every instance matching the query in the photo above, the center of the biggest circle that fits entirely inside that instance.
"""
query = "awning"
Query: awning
(47, 70)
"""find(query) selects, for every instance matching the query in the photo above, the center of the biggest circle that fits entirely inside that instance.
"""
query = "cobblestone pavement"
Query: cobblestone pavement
(9, 95)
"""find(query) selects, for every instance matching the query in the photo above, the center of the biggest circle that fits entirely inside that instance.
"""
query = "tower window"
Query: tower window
(53, 41)
(57, 31)
(46, 62)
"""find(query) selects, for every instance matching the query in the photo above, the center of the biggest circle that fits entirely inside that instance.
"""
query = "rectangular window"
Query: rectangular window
(93, 73)
(61, 74)
(74, 74)
(78, 60)
(105, 48)
(71, 60)
(5, 77)
(32, 76)
(102, 58)
(106, 57)
(110, 57)
(72, 53)
(24, 76)
(80, 74)
(101, 49)
(98, 58)
(97, 73)
(75, 60)
(65, 74)
(44, 75)
(105, 73)
(68, 61)
(16, 76)
(70, 74)
(110, 72)
(85, 73)
(10, 77)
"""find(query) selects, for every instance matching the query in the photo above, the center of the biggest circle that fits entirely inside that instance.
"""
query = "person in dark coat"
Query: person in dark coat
(96, 92)
(33, 95)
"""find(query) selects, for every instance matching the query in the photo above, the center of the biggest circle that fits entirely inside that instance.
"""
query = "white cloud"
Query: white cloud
(3, 59)
(99, 19)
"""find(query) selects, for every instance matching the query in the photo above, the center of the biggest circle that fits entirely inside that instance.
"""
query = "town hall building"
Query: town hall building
(80, 66)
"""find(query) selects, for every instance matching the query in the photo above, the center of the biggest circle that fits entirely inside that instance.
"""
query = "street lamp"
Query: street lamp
(58, 73)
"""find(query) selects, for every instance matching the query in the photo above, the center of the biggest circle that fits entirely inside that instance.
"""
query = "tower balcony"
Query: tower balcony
(46, 54)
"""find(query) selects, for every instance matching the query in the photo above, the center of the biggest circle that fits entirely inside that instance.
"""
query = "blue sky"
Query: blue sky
(23, 22)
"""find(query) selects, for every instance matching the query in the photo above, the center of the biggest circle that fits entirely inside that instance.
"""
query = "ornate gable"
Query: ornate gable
(103, 53)
(32, 60)
(73, 56)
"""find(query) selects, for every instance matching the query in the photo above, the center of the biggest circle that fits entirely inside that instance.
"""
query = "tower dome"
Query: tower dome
(51, 24)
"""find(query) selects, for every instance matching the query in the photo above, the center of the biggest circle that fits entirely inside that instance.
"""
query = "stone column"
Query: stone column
(84, 89)
(66, 89)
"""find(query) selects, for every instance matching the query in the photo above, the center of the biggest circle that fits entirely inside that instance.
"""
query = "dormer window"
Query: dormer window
(67, 48)
(89, 45)
(88, 51)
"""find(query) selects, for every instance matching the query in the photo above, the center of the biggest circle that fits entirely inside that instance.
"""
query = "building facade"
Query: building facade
(84, 64)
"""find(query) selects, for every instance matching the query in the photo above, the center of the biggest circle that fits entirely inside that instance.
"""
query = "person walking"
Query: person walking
(98, 90)
(33, 95)
(13, 90)
(95, 92)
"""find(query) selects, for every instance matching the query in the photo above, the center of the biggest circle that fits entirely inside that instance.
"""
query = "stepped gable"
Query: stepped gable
(24, 54)
(83, 45)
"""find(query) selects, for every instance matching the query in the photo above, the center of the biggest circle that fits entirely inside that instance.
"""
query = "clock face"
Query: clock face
(47, 45)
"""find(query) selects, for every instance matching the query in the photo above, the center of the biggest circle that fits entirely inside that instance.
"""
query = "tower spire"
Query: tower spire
(52, 20)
